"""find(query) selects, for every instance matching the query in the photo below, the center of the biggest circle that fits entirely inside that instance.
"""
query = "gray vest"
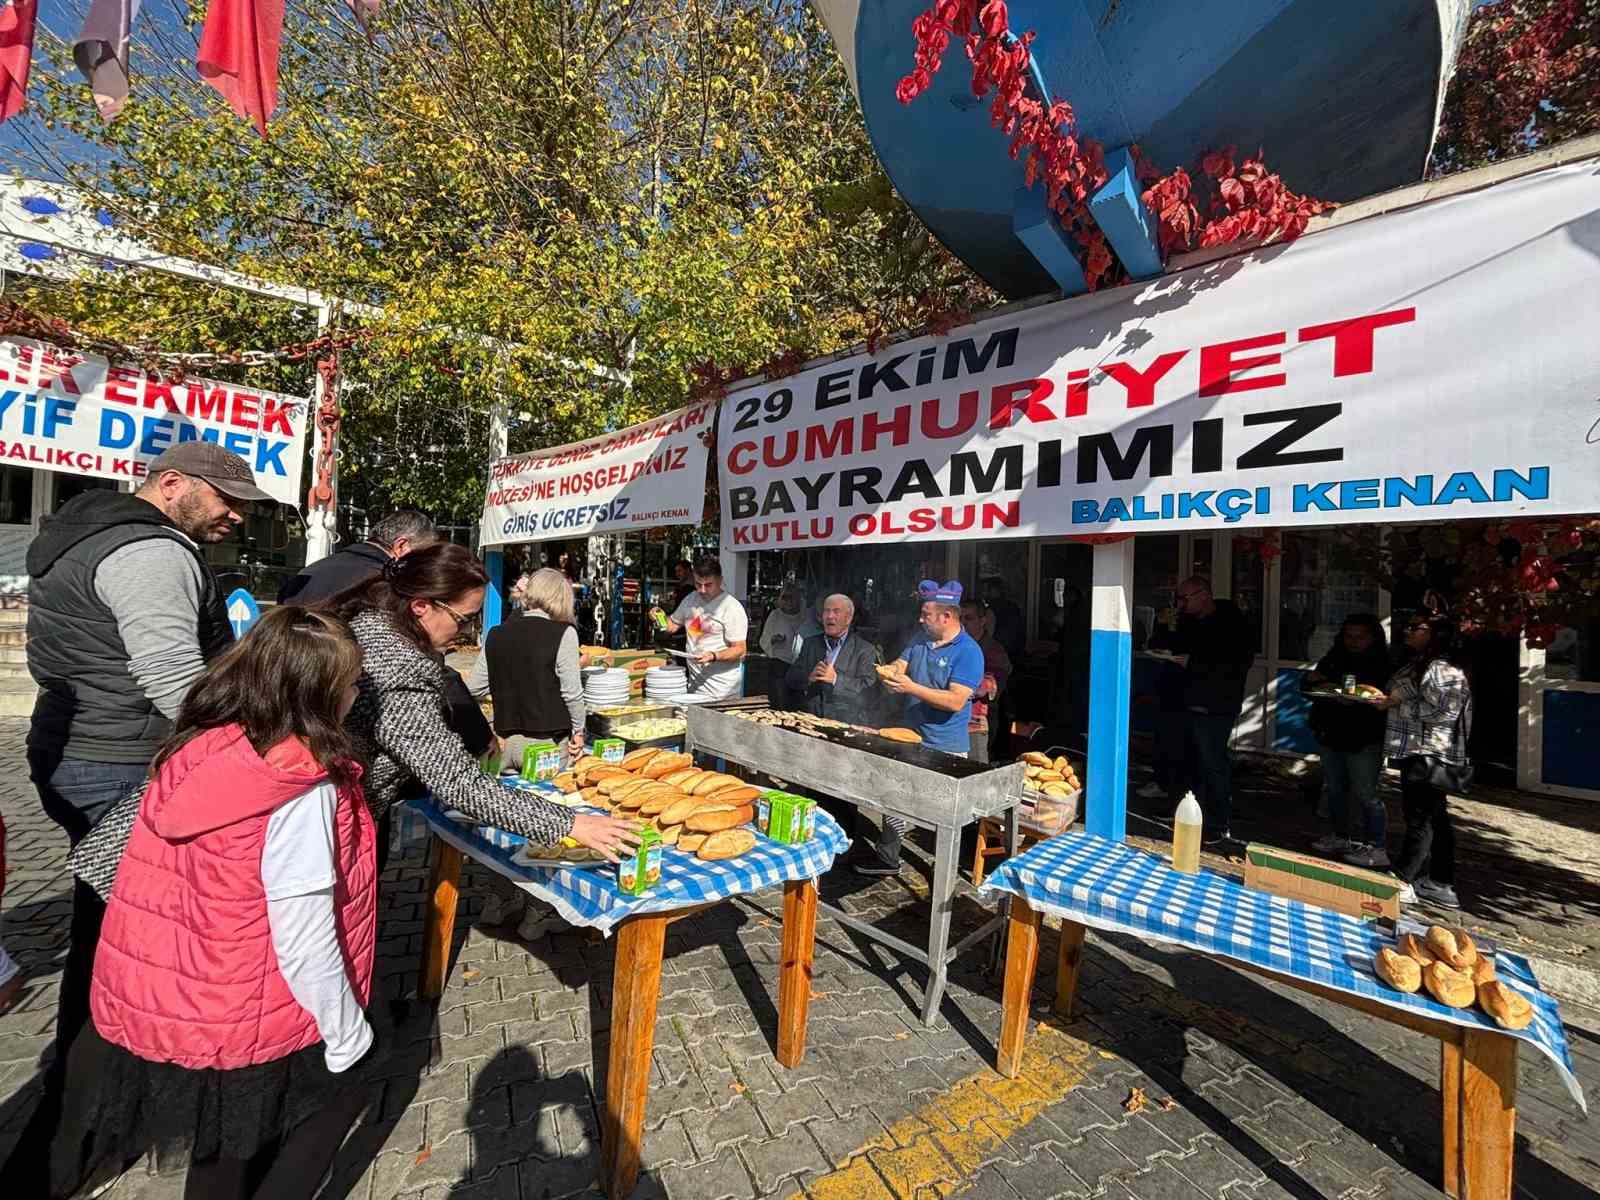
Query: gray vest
(89, 705)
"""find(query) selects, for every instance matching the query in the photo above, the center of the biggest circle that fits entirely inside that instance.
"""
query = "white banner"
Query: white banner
(641, 477)
(1435, 364)
(66, 411)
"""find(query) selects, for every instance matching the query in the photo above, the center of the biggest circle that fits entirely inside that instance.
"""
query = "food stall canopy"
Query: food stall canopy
(1430, 364)
(642, 477)
(65, 410)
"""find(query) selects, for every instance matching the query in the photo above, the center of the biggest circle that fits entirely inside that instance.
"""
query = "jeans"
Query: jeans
(1429, 848)
(75, 794)
(1211, 768)
(1353, 775)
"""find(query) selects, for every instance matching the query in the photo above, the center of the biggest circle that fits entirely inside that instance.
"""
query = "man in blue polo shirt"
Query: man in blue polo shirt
(937, 675)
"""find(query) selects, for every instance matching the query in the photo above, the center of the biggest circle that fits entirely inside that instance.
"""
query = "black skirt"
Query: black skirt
(118, 1106)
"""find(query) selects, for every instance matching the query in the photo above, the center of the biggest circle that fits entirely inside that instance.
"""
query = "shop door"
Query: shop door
(1560, 714)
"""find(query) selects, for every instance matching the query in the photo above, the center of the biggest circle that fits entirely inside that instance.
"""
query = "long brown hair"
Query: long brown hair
(285, 678)
(439, 572)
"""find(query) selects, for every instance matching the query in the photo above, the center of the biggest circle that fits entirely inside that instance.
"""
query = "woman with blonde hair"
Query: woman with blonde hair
(530, 669)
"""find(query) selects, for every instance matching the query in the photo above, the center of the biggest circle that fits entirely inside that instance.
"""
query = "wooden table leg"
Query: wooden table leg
(794, 971)
(1488, 1115)
(1450, 1095)
(444, 890)
(634, 991)
(1068, 956)
(1022, 958)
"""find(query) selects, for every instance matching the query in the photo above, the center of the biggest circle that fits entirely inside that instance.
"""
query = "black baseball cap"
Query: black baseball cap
(222, 469)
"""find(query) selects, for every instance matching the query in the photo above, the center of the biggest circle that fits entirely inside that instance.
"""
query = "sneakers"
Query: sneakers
(1152, 791)
(537, 922)
(1408, 894)
(1441, 895)
(865, 860)
(1331, 844)
(1361, 855)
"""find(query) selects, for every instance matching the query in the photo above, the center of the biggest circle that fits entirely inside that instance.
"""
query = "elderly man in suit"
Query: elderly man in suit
(833, 674)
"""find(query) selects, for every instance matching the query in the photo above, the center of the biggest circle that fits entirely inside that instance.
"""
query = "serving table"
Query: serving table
(589, 896)
(929, 789)
(1092, 882)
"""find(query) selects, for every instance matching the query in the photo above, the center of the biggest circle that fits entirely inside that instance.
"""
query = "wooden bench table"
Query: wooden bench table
(640, 941)
(1093, 882)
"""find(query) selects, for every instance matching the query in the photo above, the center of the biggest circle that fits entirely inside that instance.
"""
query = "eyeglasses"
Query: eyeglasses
(458, 618)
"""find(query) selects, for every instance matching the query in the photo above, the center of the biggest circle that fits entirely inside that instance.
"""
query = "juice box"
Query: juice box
(639, 873)
(611, 750)
(788, 818)
(541, 760)
(489, 764)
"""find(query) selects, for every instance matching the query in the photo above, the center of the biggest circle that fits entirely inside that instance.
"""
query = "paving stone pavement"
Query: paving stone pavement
(1255, 1091)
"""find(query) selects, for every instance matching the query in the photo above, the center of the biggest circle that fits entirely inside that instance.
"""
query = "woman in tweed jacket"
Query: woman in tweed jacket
(404, 619)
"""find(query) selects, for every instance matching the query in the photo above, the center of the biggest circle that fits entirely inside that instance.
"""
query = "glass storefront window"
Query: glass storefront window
(1574, 654)
(16, 496)
(1320, 585)
(1249, 578)
(1155, 580)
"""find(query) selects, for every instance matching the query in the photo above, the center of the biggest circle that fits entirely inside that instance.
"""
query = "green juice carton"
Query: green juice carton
(541, 761)
(786, 818)
(640, 872)
(609, 750)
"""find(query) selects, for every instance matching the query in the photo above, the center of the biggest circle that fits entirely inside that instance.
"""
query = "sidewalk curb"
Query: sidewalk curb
(1578, 985)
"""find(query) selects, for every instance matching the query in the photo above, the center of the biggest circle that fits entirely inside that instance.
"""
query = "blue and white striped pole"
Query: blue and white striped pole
(494, 562)
(1110, 689)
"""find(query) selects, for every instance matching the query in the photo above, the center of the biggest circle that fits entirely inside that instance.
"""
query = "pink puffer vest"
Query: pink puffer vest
(185, 972)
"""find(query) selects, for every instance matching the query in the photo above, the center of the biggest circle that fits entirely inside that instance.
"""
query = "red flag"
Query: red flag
(239, 55)
(16, 51)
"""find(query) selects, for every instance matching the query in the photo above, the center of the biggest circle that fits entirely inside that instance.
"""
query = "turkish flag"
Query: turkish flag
(239, 55)
(16, 51)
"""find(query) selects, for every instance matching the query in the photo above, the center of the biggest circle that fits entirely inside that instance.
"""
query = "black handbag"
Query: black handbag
(1436, 773)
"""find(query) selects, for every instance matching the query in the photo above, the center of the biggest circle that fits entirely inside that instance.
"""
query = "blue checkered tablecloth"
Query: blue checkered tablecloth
(589, 895)
(1108, 885)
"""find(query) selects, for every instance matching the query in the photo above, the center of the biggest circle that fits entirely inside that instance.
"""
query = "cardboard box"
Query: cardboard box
(786, 818)
(1370, 895)
(541, 761)
(609, 749)
(639, 873)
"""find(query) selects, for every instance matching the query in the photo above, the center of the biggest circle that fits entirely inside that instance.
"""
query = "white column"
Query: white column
(1110, 689)
(322, 523)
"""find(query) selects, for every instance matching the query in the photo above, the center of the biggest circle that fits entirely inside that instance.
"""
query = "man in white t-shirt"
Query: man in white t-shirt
(780, 638)
(717, 628)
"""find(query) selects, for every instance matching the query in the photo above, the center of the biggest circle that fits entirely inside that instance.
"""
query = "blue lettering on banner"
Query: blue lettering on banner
(117, 430)
(553, 519)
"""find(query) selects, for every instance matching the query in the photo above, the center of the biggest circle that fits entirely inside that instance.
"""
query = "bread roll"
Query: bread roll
(1050, 775)
(636, 760)
(1448, 986)
(737, 793)
(1413, 947)
(896, 734)
(682, 808)
(591, 796)
(601, 773)
(566, 783)
(728, 843)
(683, 777)
(720, 816)
(1397, 970)
(690, 842)
(1509, 1009)
(665, 764)
(658, 800)
(1035, 759)
(1482, 970)
(586, 760)
(1453, 947)
(712, 781)
(670, 834)
(1062, 764)
(619, 784)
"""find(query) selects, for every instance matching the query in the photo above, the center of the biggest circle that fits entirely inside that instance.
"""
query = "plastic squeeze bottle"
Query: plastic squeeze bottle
(1186, 835)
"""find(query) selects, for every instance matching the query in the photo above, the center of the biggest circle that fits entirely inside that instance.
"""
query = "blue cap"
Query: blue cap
(940, 593)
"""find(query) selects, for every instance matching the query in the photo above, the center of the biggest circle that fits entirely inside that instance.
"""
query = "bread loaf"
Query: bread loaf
(691, 842)
(1452, 946)
(682, 777)
(592, 797)
(670, 834)
(1035, 759)
(1482, 970)
(1413, 947)
(566, 783)
(1063, 765)
(896, 734)
(737, 793)
(720, 816)
(1397, 970)
(1449, 986)
(728, 843)
(664, 764)
(637, 760)
(1509, 1009)
(658, 800)
(682, 808)
(710, 782)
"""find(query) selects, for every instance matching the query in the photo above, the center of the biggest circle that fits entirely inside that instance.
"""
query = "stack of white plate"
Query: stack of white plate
(605, 686)
(665, 684)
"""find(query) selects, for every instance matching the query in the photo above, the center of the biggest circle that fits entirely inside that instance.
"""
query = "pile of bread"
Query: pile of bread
(701, 812)
(1049, 776)
(1447, 963)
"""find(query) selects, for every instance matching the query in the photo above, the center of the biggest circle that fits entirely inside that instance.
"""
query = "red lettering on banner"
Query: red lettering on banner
(1141, 385)
(1010, 402)
(1219, 366)
(158, 389)
(246, 410)
(897, 426)
(1077, 393)
(1352, 339)
(966, 416)
(742, 458)
(823, 441)
(118, 378)
(791, 447)
(275, 417)
(197, 403)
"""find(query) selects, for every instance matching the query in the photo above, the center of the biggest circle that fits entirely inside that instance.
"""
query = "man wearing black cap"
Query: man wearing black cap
(123, 614)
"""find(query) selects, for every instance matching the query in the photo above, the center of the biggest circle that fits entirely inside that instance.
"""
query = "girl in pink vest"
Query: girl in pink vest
(235, 961)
